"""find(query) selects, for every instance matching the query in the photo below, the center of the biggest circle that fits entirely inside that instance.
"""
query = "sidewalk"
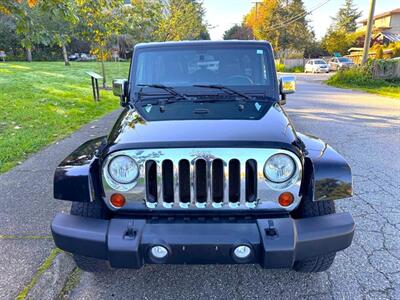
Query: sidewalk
(26, 210)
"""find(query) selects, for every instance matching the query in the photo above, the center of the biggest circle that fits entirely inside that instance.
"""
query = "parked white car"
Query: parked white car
(339, 63)
(316, 66)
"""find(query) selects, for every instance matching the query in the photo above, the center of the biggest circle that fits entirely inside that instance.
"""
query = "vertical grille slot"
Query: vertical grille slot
(234, 181)
(217, 184)
(168, 181)
(151, 181)
(184, 181)
(201, 180)
(251, 180)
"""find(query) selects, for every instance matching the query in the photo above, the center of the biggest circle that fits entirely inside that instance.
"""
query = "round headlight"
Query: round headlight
(123, 169)
(279, 168)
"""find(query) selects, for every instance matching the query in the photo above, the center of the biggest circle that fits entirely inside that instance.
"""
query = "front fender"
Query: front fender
(76, 178)
(328, 172)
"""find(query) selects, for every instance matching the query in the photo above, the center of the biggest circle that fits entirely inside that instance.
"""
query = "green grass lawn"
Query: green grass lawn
(389, 90)
(355, 79)
(42, 102)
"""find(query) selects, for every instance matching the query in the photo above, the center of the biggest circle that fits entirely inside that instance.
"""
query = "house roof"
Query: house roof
(392, 37)
(382, 15)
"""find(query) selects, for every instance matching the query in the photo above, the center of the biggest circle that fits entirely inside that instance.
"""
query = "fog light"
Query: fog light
(242, 252)
(117, 200)
(159, 252)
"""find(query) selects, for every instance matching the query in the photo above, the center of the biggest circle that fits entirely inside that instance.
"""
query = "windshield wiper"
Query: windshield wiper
(226, 89)
(168, 89)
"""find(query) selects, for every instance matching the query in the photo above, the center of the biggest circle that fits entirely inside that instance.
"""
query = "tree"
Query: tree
(9, 41)
(339, 40)
(59, 22)
(12, 7)
(31, 20)
(342, 35)
(100, 20)
(181, 20)
(297, 34)
(262, 19)
(315, 49)
(28, 27)
(283, 23)
(335, 41)
(346, 17)
(200, 20)
(141, 20)
(238, 32)
(62, 20)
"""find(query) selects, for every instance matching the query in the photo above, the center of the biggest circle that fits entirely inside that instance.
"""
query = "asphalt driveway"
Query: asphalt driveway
(364, 128)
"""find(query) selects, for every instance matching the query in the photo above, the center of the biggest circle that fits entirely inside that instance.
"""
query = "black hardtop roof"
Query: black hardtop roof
(231, 43)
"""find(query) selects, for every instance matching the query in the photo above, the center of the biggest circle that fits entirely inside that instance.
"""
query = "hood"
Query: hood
(133, 131)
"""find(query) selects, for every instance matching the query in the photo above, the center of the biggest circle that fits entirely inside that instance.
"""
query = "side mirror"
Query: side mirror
(120, 89)
(287, 85)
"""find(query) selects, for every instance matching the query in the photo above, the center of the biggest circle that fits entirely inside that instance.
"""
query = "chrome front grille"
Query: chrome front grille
(201, 182)
(196, 178)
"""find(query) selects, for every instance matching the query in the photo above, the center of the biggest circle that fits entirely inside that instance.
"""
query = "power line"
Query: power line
(299, 16)
(296, 16)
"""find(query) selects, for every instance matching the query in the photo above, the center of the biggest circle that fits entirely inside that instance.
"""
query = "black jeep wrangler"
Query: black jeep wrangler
(203, 166)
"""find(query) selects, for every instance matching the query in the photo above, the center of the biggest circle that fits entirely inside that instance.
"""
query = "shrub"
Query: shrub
(361, 78)
(280, 67)
(358, 76)
(351, 76)
(379, 52)
(396, 51)
(297, 69)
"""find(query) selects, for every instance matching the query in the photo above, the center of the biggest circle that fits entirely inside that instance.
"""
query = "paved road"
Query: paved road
(364, 128)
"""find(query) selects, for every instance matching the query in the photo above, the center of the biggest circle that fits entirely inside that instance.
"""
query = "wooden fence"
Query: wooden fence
(292, 62)
(356, 57)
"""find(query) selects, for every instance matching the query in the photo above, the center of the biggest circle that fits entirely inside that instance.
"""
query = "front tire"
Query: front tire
(96, 210)
(308, 209)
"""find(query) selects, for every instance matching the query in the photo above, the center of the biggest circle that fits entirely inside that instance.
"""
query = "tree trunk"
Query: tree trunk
(28, 54)
(103, 69)
(64, 50)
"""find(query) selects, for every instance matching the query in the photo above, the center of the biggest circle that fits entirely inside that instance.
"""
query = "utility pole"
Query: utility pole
(257, 3)
(370, 24)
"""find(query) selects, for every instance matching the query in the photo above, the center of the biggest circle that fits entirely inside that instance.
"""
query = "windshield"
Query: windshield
(320, 62)
(185, 67)
(344, 59)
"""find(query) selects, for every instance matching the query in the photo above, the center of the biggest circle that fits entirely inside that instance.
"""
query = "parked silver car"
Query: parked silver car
(316, 66)
(339, 63)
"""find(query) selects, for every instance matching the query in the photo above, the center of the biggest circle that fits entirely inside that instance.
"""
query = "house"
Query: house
(386, 27)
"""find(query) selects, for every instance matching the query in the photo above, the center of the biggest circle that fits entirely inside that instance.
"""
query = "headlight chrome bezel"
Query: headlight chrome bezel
(115, 184)
(290, 180)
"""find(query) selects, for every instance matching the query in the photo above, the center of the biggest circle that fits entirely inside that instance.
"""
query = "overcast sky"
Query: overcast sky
(222, 14)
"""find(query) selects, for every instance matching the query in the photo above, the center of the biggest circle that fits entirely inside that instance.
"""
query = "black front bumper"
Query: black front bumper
(275, 242)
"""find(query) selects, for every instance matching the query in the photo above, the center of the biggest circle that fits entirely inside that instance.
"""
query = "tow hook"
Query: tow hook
(130, 232)
(271, 231)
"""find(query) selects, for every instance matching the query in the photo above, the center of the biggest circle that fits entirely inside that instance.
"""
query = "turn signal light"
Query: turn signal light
(117, 200)
(286, 198)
